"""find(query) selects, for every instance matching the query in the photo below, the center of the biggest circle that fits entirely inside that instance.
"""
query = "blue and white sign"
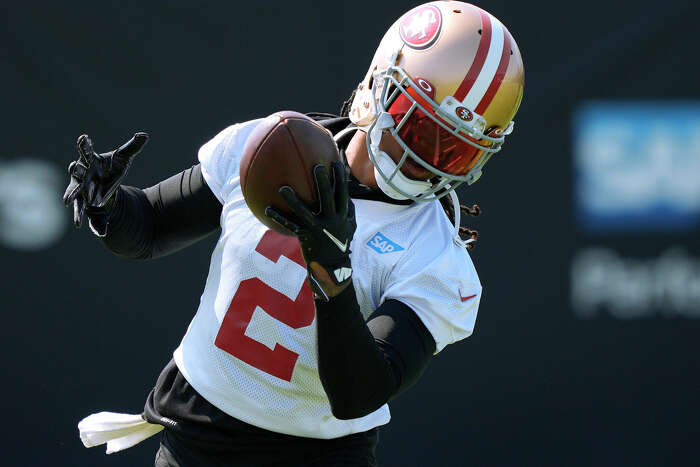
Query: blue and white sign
(381, 244)
(637, 166)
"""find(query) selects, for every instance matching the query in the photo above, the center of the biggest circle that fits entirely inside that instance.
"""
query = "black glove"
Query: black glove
(94, 178)
(324, 236)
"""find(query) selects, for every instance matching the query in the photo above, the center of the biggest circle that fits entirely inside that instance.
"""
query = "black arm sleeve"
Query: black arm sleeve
(364, 365)
(163, 218)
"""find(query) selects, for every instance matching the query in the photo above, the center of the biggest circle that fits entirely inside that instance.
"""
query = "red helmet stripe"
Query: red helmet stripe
(500, 74)
(479, 60)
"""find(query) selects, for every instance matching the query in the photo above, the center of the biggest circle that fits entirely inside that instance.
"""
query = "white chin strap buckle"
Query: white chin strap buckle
(401, 183)
(384, 164)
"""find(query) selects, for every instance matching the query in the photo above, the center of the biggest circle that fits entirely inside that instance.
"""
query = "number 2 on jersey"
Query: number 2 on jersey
(252, 293)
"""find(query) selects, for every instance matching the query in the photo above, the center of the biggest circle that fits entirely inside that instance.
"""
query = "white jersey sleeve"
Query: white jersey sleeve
(440, 285)
(221, 157)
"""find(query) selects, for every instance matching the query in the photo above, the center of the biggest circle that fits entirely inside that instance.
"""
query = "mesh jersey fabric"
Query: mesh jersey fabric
(256, 274)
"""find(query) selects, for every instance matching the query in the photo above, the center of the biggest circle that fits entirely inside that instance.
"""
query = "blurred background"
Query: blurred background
(586, 346)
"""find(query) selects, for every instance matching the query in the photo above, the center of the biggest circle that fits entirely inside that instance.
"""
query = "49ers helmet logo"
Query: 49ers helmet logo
(421, 26)
(464, 113)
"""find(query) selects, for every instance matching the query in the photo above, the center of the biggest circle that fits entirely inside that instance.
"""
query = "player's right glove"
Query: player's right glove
(94, 178)
(324, 236)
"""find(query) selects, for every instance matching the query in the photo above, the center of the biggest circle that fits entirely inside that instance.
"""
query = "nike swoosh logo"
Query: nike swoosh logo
(464, 299)
(342, 246)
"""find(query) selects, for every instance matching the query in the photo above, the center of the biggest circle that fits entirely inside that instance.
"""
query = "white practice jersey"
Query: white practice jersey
(251, 348)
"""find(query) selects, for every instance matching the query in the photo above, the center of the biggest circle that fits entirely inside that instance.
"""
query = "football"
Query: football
(282, 150)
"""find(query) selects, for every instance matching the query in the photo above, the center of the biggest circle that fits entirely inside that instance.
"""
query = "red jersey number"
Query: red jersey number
(254, 293)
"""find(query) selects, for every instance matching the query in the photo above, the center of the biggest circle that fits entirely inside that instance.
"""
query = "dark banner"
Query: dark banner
(585, 349)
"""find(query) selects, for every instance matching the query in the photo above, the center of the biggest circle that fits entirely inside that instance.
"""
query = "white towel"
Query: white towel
(119, 430)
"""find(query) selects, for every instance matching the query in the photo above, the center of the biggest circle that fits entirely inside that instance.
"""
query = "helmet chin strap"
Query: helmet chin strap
(458, 221)
(383, 163)
(413, 187)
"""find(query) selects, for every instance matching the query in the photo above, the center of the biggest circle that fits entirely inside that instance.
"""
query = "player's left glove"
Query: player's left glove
(324, 236)
(94, 178)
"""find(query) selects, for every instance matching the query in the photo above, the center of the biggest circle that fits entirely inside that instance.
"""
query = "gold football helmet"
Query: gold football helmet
(446, 82)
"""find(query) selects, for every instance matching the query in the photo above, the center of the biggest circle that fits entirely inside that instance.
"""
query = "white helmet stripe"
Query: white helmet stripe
(488, 71)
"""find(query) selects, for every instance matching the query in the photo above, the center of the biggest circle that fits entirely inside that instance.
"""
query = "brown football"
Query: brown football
(282, 150)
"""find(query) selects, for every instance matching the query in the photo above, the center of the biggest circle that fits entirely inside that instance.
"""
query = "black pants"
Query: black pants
(357, 450)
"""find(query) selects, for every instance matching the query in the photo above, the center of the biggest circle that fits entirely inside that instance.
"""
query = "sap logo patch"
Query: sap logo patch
(381, 244)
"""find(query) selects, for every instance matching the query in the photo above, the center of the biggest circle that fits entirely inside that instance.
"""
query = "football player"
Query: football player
(289, 364)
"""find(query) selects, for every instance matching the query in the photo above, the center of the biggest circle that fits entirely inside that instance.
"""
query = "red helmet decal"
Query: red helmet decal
(425, 85)
(402, 104)
(464, 114)
(421, 26)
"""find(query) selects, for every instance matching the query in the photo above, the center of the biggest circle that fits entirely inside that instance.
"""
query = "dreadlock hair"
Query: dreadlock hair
(464, 232)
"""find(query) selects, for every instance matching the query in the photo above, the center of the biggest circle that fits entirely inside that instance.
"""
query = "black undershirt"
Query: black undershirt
(362, 365)
(164, 218)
